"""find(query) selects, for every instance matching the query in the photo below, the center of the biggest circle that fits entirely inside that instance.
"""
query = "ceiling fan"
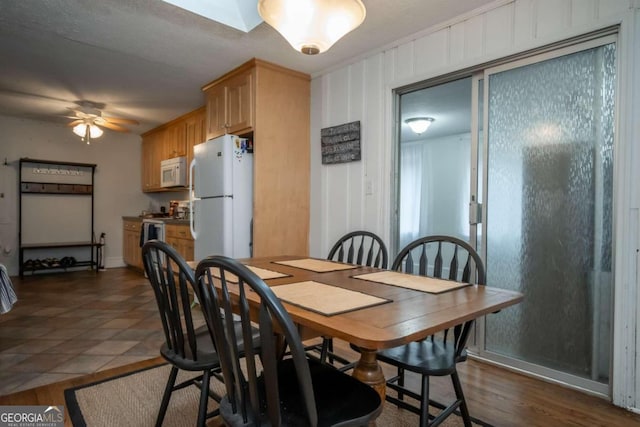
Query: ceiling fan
(88, 120)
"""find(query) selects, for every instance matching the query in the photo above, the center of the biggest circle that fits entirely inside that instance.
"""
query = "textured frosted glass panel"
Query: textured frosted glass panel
(549, 210)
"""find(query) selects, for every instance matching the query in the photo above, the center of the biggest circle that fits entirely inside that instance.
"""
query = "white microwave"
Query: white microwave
(173, 172)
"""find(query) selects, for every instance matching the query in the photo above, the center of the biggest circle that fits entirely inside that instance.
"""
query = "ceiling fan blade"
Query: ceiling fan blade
(115, 127)
(75, 122)
(121, 120)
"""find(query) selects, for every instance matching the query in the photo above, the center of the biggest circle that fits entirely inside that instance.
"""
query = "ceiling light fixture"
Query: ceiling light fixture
(420, 124)
(312, 26)
(87, 131)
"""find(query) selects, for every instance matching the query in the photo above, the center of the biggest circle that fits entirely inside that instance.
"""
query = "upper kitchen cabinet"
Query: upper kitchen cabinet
(271, 105)
(152, 151)
(195, 130)
(230, 105)
(173, 139)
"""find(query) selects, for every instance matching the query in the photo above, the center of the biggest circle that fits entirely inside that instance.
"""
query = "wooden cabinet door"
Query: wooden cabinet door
(183, 246)
(216, 111)
(179, 237)
(195, 133)
(137, 250)
(148, 157)
(187, 249)
(175, 141)
(127, 256)
(131, 251)
(152, 155)
(173, 242)
(239, 104)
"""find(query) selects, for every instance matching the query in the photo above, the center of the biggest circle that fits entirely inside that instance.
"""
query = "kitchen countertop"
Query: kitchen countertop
(166, 220)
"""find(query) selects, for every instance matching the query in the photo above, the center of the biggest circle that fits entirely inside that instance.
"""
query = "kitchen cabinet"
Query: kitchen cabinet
(271, 105)
(152, 151)
(173, 139)
(230, 105)
(195, 130)
(179, 237)
(131, 251)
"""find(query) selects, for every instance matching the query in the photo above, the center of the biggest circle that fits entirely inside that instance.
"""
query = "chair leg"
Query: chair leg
(424, 402)
(330, 340)
(400, 383)
(324, 350)
(464, 410)
(204, 399)
(166, 396)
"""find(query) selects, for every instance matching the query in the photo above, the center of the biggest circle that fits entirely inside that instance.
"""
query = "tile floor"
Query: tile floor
(70, 324)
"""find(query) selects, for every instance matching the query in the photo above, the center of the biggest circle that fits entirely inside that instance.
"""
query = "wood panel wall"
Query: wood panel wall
(363, 90)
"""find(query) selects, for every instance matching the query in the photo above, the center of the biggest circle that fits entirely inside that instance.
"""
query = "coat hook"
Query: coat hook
(5, 162)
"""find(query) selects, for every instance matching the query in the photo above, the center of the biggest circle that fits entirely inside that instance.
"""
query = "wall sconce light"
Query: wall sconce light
(420, 124)
(87, 132)
(312, 26)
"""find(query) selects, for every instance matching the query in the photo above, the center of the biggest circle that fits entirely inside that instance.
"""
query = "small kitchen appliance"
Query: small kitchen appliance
(173, 172)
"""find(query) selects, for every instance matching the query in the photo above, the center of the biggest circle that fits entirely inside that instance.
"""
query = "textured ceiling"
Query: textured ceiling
(147, 59)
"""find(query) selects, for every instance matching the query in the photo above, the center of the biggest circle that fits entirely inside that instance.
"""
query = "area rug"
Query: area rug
(133, 400)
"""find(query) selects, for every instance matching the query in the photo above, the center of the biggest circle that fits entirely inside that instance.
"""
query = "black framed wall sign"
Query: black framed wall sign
(340, 143)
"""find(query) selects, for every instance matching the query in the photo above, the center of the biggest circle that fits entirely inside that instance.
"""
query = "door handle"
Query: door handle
(475, 213)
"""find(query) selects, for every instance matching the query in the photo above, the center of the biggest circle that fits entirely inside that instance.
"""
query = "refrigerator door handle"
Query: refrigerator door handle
(191, 215)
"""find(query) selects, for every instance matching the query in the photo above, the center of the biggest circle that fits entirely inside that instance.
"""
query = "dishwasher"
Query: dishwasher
(152, 229)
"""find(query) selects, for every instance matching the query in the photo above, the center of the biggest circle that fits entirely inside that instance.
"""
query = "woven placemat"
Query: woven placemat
(325, 299)
(262, 273)
(410, 281)
(316, 265)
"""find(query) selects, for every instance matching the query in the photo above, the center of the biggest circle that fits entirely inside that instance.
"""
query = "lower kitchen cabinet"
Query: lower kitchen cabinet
(179, 237)
(176, 235)
(131, 251)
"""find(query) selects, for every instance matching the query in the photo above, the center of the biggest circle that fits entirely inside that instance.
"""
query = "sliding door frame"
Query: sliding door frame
(622, 360)
(482, 352)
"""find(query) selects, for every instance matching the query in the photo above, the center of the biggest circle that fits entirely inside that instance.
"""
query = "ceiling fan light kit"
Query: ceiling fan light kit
(88, 118)
(87, 132)
(312, 26)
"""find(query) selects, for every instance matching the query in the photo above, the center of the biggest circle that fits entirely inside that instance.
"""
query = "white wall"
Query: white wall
(117, 179)
(363, 89)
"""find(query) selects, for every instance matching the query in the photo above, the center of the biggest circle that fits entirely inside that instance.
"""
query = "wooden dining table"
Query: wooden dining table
(398, 315)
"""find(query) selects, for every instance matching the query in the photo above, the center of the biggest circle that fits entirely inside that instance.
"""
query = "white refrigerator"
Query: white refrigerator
(221, 199)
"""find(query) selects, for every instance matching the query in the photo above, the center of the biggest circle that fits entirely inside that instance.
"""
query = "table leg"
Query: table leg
(368, 371)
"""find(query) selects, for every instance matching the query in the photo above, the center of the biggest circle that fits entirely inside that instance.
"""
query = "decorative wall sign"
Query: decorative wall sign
(341, 143)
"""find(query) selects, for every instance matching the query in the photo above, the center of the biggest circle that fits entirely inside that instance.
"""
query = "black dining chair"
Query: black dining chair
(264, 388)
(358, 247)
(186, 346)
(443, 257)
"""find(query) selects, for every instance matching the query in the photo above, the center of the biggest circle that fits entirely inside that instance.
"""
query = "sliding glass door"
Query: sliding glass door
(548, 216)
(533, 147)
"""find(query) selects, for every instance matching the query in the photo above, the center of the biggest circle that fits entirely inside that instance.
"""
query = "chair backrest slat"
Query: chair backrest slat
(424, 262)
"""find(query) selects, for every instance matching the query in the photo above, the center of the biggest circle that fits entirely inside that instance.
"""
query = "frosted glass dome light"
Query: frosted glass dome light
(420, 124)
(312, 26)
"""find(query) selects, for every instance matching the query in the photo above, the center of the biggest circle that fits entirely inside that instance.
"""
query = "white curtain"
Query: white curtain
(411, 164)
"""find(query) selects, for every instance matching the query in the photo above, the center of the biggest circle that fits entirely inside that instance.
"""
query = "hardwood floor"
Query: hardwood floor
(495, 395)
